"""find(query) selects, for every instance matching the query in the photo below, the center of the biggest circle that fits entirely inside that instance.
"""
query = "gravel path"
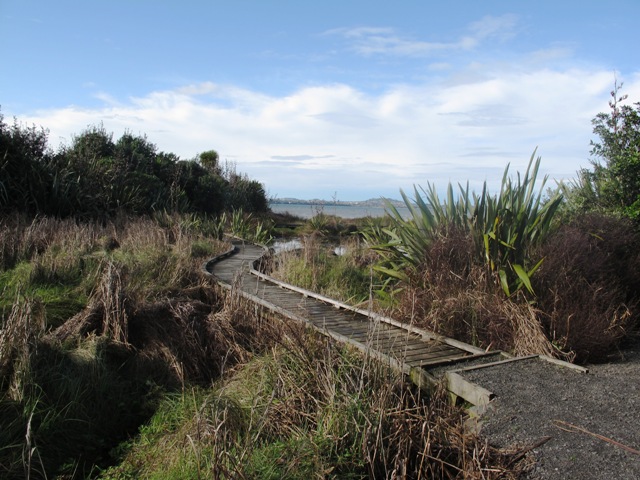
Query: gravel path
(534, 398)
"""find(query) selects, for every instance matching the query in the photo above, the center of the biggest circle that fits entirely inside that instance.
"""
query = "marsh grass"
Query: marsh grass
(80, 305)
(308, 408)
(347, 277)
(161, 375)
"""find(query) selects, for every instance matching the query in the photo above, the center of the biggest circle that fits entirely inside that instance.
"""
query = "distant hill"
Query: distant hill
(372, 202)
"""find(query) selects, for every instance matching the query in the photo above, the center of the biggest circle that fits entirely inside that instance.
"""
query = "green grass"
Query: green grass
(348, 277)
(62, 294)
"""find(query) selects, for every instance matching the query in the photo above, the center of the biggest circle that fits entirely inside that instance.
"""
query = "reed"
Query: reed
(308, 408)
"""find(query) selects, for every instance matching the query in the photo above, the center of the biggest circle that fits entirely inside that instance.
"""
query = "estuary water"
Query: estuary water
(343, 211)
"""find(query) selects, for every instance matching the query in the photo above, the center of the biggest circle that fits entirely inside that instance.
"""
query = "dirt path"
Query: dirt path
(536, 399)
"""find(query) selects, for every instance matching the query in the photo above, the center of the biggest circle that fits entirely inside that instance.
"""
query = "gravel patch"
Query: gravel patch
(536, 399)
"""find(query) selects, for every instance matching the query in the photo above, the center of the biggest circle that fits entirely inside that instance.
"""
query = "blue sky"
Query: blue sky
(347, 99)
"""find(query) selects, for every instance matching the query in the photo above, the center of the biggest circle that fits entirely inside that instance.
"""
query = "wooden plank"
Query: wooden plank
(433, 348)
(408, 348)
(388, 341)
(389, 337)
(443, 360)
(564, 364)
(467, 390)
(430, 354)
(493, 364)
(464, 357)
(340, 324)
(332, 317)
(345, 327)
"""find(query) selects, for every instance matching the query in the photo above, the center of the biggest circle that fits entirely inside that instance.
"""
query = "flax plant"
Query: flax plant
(503, 227)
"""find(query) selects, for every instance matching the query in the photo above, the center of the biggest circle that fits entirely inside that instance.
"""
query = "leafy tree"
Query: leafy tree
(24, 154)
(135, 154)
(89, 164)
(614, 183)
(94, 177)
(92, 144)
(205, 192)
(247, 195)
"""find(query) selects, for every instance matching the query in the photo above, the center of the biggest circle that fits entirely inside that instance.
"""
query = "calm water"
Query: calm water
(343, 211)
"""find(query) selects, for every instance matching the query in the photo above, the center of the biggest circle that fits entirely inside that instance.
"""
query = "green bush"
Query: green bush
(97, 177)
(503, 228)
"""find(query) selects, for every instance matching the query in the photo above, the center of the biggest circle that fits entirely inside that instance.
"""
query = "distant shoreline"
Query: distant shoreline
(372, 202)
(310, 208)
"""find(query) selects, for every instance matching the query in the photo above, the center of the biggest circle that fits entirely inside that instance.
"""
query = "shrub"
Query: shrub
(589, 285)
(503, 228)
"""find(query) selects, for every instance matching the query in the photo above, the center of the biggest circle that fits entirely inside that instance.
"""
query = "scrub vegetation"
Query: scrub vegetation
(120, 360)
(96, 177)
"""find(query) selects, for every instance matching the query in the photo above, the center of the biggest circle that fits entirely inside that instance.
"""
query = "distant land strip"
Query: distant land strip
(372, 202)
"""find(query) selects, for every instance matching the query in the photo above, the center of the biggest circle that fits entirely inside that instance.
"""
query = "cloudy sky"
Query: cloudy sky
(335, 98)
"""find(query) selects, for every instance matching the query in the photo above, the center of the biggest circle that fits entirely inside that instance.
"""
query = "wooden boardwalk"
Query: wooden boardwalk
(416, 352)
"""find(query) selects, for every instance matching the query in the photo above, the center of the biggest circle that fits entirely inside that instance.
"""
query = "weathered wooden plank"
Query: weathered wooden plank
(345, 328)
(431, 354)
(400, 350)
(471, 392)
(388, 341)
(429, 347)
(356, 336)
(342, 326)
(330, 317)
(442, 360)
(564, 364)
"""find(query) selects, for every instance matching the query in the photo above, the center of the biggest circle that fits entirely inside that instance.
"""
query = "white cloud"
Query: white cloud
(502, 26)
(384, 41)
(336, 138)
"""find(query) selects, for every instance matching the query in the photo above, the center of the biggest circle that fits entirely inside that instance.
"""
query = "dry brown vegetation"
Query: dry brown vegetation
(590, 286)
(586, 301)
(109, 330)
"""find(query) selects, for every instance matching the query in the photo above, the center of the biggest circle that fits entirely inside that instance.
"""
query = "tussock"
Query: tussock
(19, 336)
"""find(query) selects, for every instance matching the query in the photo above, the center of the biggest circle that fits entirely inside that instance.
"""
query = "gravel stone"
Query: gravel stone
(534, 397)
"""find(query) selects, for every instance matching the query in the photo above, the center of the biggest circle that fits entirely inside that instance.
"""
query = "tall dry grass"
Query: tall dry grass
(304, 407)
(76, 381)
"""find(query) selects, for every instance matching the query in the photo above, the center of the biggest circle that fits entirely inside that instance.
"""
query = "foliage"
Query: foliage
(96, 177)
(502, 227)
(613, 185)
(590, 286)
(246, 226)
(24, 156)
(210, 161)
